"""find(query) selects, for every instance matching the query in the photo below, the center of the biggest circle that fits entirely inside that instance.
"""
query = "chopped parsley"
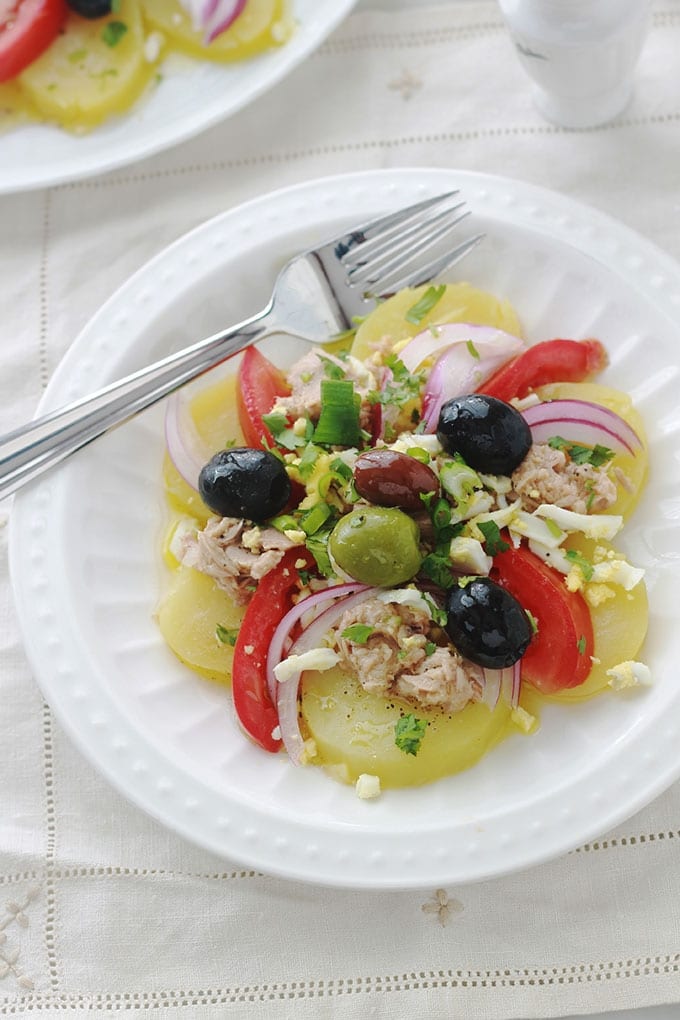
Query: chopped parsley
(318, 547)
(113, 32)
(581, 645)
(438, 615)
(409, 733)
(584, 565)
(437, 566)
(427, 302)
(359, 633)
(308, 460)
(493, 543)
(401, 388)
(285, 435)
(595, 455)
(430, 648)
(533, 622)
(226, 635)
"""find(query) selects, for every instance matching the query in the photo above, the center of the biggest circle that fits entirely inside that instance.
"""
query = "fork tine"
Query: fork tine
(423, 274)
(417, 240)
(363, 237)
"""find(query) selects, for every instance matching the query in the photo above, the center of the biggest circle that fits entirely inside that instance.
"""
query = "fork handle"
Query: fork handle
(32, 449)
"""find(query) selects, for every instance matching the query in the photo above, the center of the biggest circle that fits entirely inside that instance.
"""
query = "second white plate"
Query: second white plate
(192, 96)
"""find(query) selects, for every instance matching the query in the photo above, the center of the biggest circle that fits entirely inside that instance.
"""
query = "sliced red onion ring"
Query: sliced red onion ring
(457, 372)
(487, 340)
(281, 637)
(224, 15)
(212, 17)
(581, 421)
(511, 682)
(287, 693)
(493, 681)
(183, 442)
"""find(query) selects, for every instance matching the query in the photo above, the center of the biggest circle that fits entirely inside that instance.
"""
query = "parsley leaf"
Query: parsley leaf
(493, 543)
(113, 32)
(409, 733)
(430, 648)
(596, 455)
(427, 302)
(437, 567)
(581, 645)
(359, 633)
(225, 635)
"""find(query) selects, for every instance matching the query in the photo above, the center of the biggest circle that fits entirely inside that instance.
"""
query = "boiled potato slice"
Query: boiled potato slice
(81, 79)
(633, 469)
(619, 627)
(356, 729)
(216, 419)
(460, 303)
(263, 24)
(192, 608)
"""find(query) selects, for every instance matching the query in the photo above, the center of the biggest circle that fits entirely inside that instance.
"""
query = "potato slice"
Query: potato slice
(354, 728)
(192, 608)
(263, 24)
(460, 303)
(82, 78)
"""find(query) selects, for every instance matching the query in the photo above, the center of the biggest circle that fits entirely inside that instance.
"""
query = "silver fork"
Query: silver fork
(316, 296)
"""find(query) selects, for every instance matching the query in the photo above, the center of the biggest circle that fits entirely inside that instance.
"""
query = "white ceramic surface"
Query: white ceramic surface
(86, 565)
(191, 97)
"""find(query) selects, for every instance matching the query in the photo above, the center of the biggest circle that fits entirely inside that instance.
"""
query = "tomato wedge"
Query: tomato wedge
(27, 27)
(271, 601)
(548, 362)
(259, 383)
(559, 654)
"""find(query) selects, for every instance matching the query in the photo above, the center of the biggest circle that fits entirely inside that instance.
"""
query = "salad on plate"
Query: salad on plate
(77, 63)
(398, 548)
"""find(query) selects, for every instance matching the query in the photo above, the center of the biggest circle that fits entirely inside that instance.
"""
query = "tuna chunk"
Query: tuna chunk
(550, 476)
(394, 660)
(236, 556)
(306, 376)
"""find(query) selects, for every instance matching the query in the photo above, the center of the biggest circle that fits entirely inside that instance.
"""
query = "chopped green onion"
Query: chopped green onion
(313, 519)
(427, 302)
(339, 420)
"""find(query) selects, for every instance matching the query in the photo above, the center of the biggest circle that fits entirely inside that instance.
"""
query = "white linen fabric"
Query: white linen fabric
(104, 912)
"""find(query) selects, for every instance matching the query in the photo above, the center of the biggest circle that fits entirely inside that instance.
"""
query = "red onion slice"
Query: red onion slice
(281, 637)
(493, 681)
(486, 339)
(212, 17)
(581, 421)
(457, 372)
(183, 442)
(224, 15)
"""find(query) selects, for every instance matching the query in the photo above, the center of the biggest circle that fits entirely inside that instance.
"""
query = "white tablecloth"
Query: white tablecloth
(104, 911)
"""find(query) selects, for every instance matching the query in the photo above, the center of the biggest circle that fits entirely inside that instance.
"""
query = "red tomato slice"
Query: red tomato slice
(259, 383)
(271, 601)
(559, 654)
(27, 27)
(547, 362)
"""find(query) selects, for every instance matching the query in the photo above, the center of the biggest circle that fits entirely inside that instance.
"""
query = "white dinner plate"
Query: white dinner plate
(192, 96)
(86, 565)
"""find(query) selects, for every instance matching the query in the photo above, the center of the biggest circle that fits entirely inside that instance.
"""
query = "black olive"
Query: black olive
(242, 482)
(487, 624)
(90, 8)
(490, 435)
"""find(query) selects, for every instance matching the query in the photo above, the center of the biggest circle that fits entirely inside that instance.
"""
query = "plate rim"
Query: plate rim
(37, 175)
(310, 870)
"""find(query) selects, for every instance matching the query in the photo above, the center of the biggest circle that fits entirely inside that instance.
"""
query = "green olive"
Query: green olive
(377, 545)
